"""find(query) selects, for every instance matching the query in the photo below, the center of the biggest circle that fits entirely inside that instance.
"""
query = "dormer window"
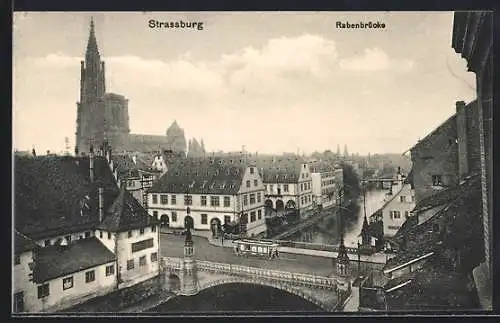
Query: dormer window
(437, 180)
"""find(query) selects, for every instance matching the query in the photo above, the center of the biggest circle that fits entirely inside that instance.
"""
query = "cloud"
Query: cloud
(375, 59)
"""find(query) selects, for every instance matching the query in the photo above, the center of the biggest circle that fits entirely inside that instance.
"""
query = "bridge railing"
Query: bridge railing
(232, 269)
(306, 279)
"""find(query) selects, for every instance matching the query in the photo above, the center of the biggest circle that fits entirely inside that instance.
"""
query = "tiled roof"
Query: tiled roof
(460, 215)
(426, 138)
(54, 195)
(199, 175)
(57, 261)
(433, 287)
(125, 166)
(125, 214)
(22, 243)
(321, 167)
(281, 169)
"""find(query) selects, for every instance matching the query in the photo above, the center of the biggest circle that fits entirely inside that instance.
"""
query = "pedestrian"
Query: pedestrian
(222, 239)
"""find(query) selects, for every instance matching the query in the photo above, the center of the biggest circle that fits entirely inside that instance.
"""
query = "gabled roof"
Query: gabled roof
(54, 194)
(460, 215)
(280, 169)
(22, 243)
(451, 119)
(57, 261)
(202, 175)
(126, 213)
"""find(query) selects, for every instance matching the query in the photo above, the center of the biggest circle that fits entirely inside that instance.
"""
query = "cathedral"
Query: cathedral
(104, 116)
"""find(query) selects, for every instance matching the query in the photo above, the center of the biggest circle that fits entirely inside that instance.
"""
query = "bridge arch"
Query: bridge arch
(269, 283)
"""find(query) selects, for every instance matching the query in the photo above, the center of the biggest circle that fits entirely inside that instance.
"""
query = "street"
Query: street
(173, 246)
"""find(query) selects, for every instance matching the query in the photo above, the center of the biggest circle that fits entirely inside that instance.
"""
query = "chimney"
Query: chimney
(101, 204)
(91, 162)
(461, 119)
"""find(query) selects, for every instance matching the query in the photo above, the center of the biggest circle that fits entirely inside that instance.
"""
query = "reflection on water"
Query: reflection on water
(237, 297)
(328, 231)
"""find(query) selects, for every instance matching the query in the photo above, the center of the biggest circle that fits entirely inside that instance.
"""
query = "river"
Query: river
(236, 297)
(327, 231)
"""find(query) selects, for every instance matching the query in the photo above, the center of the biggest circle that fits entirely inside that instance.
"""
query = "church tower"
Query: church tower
(189, 275)
(90, 109)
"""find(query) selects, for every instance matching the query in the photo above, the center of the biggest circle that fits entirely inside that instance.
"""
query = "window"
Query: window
(285, 188)
(301, 187)
(252, 216)
(19, 302)
(203, 200)
(89, 276)
(188, 200)
(109, 235)
(154, 257)
(407, 214)
(245, 199)
(265, 187)
(153, 228)
(255, 182)
(47, 242)
(141, 245)
(248, 183)
(67, 283)
(43, 291)
(258, 198)
(130, 264)
(110, 270)
(142, 261)
(68, 237)
(279, 191)
(437, 180)
(204, 219)
(271, 188)
(259, 214)
(164, 199)
(174, 216)
(214, 201)
(227, 201)
(100, 234)
(173, 200)
(251, 170)
(435, 227)
(252, 198)
(141, 231)
(402, 199)
(87, 235)
(155, 199)
(17, 259)
(155, 214)
(227, 219)
(130, 234)
(301, 200)
(396, 214)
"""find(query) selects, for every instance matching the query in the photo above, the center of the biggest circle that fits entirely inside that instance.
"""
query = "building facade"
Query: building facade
(206, 193)
(326, 184)
(74, 228)
(398, 207)
(287, 184)
(473, 39)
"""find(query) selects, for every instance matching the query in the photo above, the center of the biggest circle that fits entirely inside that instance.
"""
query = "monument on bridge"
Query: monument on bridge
(189, 276)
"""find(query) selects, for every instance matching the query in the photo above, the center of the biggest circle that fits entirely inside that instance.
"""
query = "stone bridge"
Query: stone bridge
(325, 292)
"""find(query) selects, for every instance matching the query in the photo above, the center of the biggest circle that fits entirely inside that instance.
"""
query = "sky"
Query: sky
(273, 82)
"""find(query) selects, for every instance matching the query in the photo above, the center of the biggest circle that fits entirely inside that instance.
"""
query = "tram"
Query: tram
(263, 249)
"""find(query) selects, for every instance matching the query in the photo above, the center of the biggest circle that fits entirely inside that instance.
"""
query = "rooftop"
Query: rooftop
(125, 214)
(54, 194)
(22, 243)
(57, 261)
(202, 175)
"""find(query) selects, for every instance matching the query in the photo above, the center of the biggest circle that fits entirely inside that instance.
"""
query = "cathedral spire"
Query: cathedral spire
(92, 42)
